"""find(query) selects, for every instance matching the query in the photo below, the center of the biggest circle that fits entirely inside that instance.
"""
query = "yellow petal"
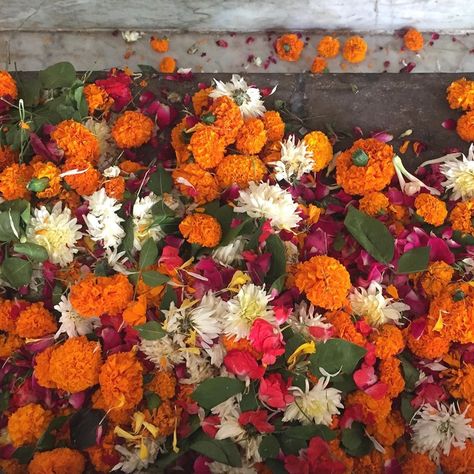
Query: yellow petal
(138, 419)
(125, 434)
(439, 324)
(306, 348)
(239, 279)
(143, 451)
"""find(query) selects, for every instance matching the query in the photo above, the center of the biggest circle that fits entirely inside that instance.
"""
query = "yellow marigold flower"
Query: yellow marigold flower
(201, 229)
(97, 98)
(193, 181)
(431, 209)
(328, 47)
(76, 141)
(7, 157)
(355, 49)
(167, 65)
(132, 129)
(325, 281)
(206, 147)
(228, 118)
(240, 170)
(47, 170)
(118, 416)
(436, 278)
(319, 65)
(35, 321)
(374, 204)
(13, 182)
(318, 143)
(251, 137)
(465, 126)
(59, 460)
(274, 125)
(413, 40)
(163, 384)
(9, 343)
(180, 147)
(460, 94)
(289, 47)
(201, 100)
(84, 183)
(28, 423)
(160, 45)
(461, 216)
(7, 85)
(461, 383)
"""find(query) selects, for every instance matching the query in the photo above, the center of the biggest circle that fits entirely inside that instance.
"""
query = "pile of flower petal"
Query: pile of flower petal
(188, 287)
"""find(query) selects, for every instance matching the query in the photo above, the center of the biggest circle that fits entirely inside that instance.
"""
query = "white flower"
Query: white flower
(371, 304)
(72, 323)
(164, 352)
(459, 175)
(317, 405)
(414, 184)
(294, 162)
(230, 253)
(139, 457)
(438, 429)
(143, 221)
(56, 231)
(249, 304)
(246, 97)
(102, 221)
(305, 317)
(131, 36)
(117, 260)
(269, 202)
(108, 150)
(198, 369)
(111, 172)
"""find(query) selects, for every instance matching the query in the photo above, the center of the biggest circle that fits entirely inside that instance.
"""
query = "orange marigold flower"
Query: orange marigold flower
(461, 216)
(9, 343)
(59, 460)
(119, 416)
(344, 327)
(163, 384)
(436, 278)
(391, 375)
(431, 209)
(76, 141)
(413, 40)
(131, 167)
(104, 457)
(167, 65)
(13, 182)
(461, 383)
(48, 170)
(160, 45)
(153, 294)
(7, 322)
(28, 423)
(75, 365)
(465, 126)
(459, 460)
(319, 65)
(416, 463)
(43, 367)
(325, 281)
(240, 170)
(340, 455)
(94, 296)
(11, 466)
(178, 143)
(431, 345)
(135, 313)
(206, 147)
(251, 137)
(231, 343)
(35, 321)
(85, 183)
(132, 129)
(121, 381)
(274, 125)
(7, 85)
(70, 198)
(328, 47)
(115, 187)
(373, 463)
(374, 204)
(193, 181)
(365, 167)
(355, 49)
(318, 143)
(7, 157)
(388, 341)
(460, 94)
(388, 430)
(97, 98)
(201, 100)
(201, 229)
(378, 409)
(227, 118)
(165, 417)
(289, 47)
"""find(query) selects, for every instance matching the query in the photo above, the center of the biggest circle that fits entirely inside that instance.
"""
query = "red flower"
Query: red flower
(267, 339)
(210, 425)
(242, 364)
(257, 418)
(117, 85)
(274, 391)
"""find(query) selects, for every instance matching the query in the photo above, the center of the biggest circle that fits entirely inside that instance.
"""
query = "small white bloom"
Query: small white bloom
(437, 429)
(269, 202)
(230, 253)
(138, 457)
(143, 221)
(246, 97)
(305, 317)
(249, 304)
(317, 405)
(102, 220)
(72, 323)
(56, 231)
(459, 175)
(111, 172)
(371, 304)
(117, 260)
(131, 36)
(107, 147)
(295, 160)
(164, 352)
(198, 369)
(414, 184)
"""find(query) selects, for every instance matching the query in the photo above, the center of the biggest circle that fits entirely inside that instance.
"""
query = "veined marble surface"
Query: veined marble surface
(237, 15)
(244, 52)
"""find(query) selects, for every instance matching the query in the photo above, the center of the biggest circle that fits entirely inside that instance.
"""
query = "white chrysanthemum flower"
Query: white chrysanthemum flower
(230, 253)
(305, 317)
(117, 260)
(459, 175)
(295, 160)
(198, 369)
(437, 429)
(143, 221)
(72, 323)
(107, 148)
(317, 405)
(270, 202)
(111, 172)
(102, 220)
(138, 458)
(249, 304)
(164, 352)
(131, 36)
(219, 468)
(246, 97)
(371, 304)
(56, 231)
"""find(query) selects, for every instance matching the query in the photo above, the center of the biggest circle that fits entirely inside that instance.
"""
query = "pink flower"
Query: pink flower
(274, 392)
(257, 418)
(243, 365)
(210, 425)
(267, 339)
(364, 377)
(170, 258)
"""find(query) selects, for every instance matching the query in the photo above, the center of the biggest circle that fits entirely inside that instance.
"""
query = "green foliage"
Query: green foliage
(211, 392)
(415, 260)
(151, 331)
(17, 271)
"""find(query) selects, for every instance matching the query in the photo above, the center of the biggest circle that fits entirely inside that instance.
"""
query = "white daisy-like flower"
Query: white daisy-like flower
(459, 175)
(295, 160)
(138, 458)
(198, 369)
(436, 429)
(143, 221)
(249, 304)
(230, 253)
(72, 323)
(117, 260)
(248, 98)
(317, 405)
(165, 352)
(56, 231)
(371, 304)
(270, 202)
(305, 317)
(102, 220)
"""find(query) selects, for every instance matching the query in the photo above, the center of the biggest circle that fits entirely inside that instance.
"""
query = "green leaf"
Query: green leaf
(269, 447)
(279, 283)
(58, 75)
(223, 451)
(152, 278)
(307, 432)
(148, 254)
(168, 297)
(127, 242)
(211, 392)
(224, 215)
(354, 440)
(152, 400)
(47, 440)
(58, 291)
(275, 246)
(35, 252)
(83, 427)
(24, 454)
(276, 466)
(29, 90)
(292, 445)
(293, 343)
(233, 233)
(38, 184)
(410, 373)
(151, 331)
(17, 271)
(4, 400)
(102, 268)
(160, 181)
(9, 225)
(371, 234)
(249, 400)
(146, 69)
(336, 355)
(406, 408)
(415, 260)
(344, 382)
